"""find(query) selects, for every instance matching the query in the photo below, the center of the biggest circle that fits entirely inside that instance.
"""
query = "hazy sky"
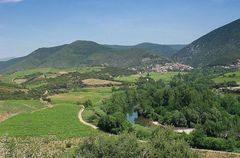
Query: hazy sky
(26, 25)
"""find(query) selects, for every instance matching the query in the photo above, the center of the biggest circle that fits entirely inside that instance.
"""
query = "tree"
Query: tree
(179, 119)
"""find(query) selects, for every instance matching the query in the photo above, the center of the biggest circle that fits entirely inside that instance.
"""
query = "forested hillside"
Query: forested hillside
(219, 47)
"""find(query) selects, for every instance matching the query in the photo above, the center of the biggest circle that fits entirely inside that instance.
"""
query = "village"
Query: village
(171, 67)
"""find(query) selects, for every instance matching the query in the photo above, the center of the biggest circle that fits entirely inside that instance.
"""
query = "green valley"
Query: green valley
(119, 79)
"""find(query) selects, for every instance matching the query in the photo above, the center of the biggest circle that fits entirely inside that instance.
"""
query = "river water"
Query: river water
(132, 117)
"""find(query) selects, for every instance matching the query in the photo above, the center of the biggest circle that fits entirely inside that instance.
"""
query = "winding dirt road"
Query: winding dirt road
(84, 122)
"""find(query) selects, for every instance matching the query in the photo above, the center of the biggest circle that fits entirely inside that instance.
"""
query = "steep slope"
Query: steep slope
(79, 53)
(219, 47)
(162, 50)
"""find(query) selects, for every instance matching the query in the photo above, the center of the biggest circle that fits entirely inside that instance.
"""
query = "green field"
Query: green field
(166, 76)
(60, 121)
(95, 94)
(231, 76)
(19, 106)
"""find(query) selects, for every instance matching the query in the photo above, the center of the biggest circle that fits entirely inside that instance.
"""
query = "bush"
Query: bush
(88, 103)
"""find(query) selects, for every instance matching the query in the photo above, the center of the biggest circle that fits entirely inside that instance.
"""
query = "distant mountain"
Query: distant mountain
(219, 47)
(163, 50)
(6, 59)
(81, 53)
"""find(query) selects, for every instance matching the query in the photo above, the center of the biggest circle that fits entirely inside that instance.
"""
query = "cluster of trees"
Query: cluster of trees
(10, 91)
(186, 101)
(115, 123)
(16, 95)
(162, 143)
(199, 139)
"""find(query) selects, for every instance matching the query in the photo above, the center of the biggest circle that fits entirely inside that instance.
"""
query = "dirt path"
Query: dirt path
(84, 122)
(216, 154)
(177, 130)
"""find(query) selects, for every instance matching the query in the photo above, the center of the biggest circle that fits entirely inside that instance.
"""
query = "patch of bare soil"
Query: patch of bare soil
(5, 115)
(176, 129)
(99, 82)
(61, 96)
(63, 72)
(216, 154)
(20, 81)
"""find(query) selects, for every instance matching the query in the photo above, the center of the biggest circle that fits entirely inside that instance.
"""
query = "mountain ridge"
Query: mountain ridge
(81, 53)
(219, 47)
(165, 50)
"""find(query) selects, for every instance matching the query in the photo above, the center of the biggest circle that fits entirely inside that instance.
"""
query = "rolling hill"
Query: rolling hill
(81, 53)
(219, 47)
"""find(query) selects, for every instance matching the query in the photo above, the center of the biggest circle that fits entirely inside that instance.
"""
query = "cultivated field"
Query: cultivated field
(60, 121)
(98, 82)
(12, 107)
(95, 94)
(166, 76)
